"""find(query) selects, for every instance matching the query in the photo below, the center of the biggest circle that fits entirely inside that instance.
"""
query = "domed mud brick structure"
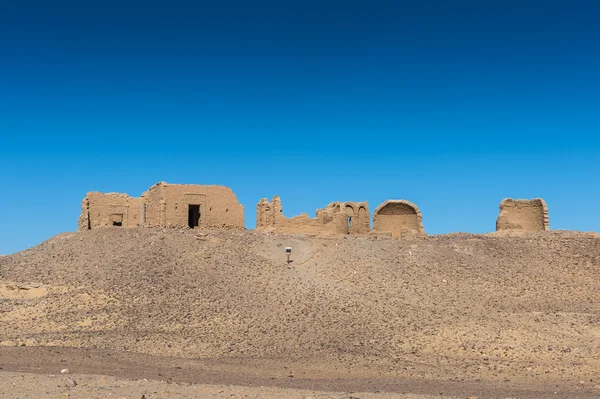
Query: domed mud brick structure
(523, 215)
(164, 205)
(336, 218)
(398, 217)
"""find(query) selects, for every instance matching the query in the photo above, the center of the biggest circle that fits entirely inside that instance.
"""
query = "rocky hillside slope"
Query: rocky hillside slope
(452, 306)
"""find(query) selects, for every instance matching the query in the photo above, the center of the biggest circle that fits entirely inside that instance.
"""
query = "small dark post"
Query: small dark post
(288, 251)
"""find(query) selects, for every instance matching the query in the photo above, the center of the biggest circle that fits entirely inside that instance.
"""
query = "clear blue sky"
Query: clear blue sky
(453, 105)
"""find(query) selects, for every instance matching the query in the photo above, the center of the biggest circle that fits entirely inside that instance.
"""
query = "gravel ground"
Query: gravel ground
(32, 386)
(510, 309)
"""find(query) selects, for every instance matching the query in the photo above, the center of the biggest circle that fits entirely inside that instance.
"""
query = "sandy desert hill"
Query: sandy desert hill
(459, 307)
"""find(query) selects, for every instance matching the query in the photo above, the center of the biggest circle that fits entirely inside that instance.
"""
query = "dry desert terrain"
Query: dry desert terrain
(214, 314)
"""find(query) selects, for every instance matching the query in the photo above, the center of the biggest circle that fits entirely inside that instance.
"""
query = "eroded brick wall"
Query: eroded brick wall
(345, 217)
(167, 205)
(524, 215)
(110, 209)
(336, 218)
(398, 217)
(269, 217)
(163, 205)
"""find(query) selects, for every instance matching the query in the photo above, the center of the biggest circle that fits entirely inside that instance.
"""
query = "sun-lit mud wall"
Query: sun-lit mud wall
(163, 205)
(263, 214)
(345, 217)
(110, 209)
(169, 204)
(153, 207)
(336, 218)
(399, 217)
(269, 217)
(525, 215)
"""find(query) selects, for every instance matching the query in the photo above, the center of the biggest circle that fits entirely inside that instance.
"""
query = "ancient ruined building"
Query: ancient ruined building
(189, 205)
(399, 217)
(111, 209)
(164, 205)
(524, 215)
(336, 218)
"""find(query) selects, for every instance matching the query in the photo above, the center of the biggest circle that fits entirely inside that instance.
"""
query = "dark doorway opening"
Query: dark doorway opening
(193, 216)
(117, 223)
(349, 224)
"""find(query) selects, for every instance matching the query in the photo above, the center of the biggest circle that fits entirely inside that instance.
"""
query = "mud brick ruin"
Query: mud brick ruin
(164, 205)
(191, 206)
(399, 217)
(524, 215)
(336, 218)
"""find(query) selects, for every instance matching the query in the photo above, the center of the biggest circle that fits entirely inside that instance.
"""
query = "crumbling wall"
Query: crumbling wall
(336, 218)
(398, 217)
(111, 209)
(263, 214)
(524, 215)
(163, 205)
(153, 207)
(345, 217)
(269, 217)
(83, 223)
(168, 205)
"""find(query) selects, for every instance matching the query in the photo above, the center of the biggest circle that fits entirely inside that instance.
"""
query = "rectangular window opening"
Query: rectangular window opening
(116, 219)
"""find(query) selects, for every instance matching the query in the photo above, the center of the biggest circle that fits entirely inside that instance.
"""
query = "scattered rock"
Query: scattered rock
(70, 383)
(64, 371)
(176, 283)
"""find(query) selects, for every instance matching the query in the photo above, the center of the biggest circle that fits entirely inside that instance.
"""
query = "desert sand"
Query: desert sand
(199, 311)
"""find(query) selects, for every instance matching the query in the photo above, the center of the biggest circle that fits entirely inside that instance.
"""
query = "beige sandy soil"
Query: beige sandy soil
(32, 386)
(457, 314)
